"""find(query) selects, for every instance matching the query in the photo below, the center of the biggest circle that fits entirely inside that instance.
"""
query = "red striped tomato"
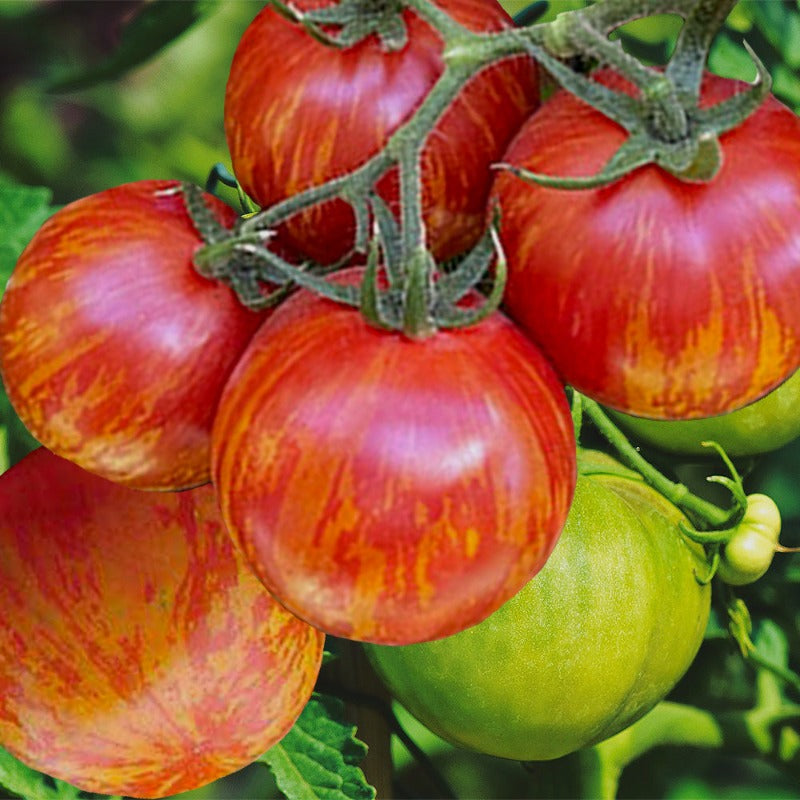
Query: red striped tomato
(299, 113)
(113, 350)
(655, 296)
(392, 490)
(138, 653)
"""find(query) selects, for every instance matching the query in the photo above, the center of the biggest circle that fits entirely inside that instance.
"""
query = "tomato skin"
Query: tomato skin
(595, 640)
(113, 350)
(386, 489)
(299, 113)
(138, 654)
(653, 296)
(765, 425)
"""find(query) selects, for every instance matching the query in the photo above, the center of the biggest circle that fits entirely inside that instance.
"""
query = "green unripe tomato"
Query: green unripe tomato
(765, 425)
(746, 556)
(592, 643)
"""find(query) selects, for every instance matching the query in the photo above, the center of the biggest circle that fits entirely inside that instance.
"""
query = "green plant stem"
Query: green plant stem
(445, 25)
(364, 176)
(464, 54)
(597, 769)
(688, 61)
(612, 14)
(783, 673)
(667, 724)
(657, 124)
(572, 33)
(676, 493)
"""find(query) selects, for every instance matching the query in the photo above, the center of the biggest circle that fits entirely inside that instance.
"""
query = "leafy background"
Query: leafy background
(95, 93)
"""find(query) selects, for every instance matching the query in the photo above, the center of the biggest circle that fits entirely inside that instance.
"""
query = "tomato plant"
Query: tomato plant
(570, 660)
(765, 425)
(389, 489)
(113, 350)
(138, 653)
(653, 295)
(299, 113)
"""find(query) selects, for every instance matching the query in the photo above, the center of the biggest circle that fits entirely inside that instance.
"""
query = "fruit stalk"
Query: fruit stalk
(676, 493)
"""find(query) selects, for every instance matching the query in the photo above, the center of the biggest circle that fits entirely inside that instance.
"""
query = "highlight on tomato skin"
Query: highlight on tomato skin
(653, 296)
(299, 113)
(387, 489)
(139, 655)
(113, 350)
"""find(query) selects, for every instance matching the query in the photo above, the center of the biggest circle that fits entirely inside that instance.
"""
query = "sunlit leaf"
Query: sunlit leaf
(22, 211)
(318, 758)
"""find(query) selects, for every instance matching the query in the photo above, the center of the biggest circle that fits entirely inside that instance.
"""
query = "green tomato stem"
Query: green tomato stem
(597, 769)
(611, 14)
(750, 733)
(709, 514)
(688, 61)
(657, 124)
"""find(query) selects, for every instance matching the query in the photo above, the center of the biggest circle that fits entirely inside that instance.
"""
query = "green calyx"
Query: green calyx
(406, 293)
(418, 298)
(352, 21)
(226, 256)
(665, 123)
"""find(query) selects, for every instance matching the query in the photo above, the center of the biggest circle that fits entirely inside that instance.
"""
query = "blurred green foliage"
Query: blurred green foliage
(147, 111)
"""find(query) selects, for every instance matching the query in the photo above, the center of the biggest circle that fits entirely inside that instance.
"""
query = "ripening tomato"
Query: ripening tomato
(765, 425)
(747, 555)
(113, 349)
(139, 655)
(389, 489)
(299, 113)
(591, 644)
(657, 297)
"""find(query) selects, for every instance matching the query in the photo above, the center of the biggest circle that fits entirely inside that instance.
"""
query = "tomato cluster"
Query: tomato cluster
(367, 484)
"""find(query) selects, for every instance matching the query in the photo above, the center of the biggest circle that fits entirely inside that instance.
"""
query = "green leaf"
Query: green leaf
(786, 84)
(771, 642)
(154, 27)
(22, 211)
(318, 758)
(730, 59)
(66, 791)
(778, 24)
(24, 781)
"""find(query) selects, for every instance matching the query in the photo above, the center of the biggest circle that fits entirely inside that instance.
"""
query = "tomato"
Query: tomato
(762, 426)
(299, 113)
(390, 489)
(138, 653)
(657, 297)
(113, 350)
(593, 642)
(747, 555)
